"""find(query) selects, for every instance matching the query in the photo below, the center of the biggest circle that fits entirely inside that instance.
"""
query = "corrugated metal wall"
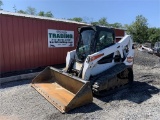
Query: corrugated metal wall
(24, 43)
(119, 32)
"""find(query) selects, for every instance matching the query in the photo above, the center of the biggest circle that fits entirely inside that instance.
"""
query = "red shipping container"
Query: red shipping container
(24, 41)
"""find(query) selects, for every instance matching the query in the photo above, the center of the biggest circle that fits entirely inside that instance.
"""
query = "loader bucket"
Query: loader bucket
(62, 90)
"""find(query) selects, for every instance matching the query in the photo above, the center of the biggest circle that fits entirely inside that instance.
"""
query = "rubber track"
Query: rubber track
(101, 78)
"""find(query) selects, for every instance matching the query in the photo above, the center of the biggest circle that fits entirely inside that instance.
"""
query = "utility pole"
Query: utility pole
(14, 7)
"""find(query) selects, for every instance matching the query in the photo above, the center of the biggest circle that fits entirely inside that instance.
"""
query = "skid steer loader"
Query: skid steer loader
(96, 66)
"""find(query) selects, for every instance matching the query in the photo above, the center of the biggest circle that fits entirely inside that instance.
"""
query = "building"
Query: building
(24, 41)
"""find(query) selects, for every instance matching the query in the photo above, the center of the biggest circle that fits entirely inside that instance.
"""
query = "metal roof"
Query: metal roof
(39, 17)
(48, 18)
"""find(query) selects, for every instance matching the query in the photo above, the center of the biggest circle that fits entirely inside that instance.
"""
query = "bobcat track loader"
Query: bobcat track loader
(96, 66)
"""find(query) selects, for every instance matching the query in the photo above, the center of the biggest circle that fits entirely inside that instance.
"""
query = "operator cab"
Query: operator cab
(93, 39)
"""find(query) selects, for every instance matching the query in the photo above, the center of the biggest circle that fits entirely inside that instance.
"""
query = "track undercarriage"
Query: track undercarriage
(115, 77)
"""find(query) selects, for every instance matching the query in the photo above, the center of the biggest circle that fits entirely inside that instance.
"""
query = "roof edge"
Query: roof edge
(39, 17)
(48, 18)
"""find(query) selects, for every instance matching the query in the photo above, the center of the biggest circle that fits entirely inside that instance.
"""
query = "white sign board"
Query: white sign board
(60, 38)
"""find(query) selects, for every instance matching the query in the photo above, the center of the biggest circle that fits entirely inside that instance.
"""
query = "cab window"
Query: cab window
(105, 39)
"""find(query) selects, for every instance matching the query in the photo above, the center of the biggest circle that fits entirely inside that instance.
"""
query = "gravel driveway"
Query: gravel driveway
(19, 101)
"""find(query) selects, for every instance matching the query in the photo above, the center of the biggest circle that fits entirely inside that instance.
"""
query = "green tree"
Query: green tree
(139, 29)
(41, 13)
(21, 11)
(103, 21)
(116, 25)
(94, 23)
(153, 35)
(49, 14)
(77, 19)
(31, 11)
(125, 26)
(1, 3)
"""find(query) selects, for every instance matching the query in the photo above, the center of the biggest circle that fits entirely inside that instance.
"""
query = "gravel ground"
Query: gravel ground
(19, 101)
